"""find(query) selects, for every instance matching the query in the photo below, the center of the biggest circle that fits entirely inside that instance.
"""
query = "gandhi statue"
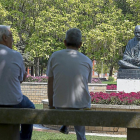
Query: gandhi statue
(131, 56)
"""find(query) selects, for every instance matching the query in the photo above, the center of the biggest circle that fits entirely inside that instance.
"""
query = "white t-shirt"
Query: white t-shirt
(12, 70)
(72, 71)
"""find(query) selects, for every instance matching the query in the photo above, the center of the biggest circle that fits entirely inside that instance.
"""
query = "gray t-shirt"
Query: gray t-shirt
(12, 70)
(72, 71)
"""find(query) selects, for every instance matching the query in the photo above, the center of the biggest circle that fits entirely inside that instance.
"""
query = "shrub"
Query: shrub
(111, 79)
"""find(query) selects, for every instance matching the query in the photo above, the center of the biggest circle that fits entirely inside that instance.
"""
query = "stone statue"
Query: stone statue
(131, 56)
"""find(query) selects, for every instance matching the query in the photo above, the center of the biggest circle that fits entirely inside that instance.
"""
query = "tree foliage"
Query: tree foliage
(39, 27)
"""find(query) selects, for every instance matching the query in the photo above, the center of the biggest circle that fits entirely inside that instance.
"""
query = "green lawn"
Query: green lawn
(38, 106)
(108, 82)
(38, 135)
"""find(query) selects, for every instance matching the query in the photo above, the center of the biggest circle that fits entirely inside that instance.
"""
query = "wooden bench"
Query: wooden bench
(11, 118)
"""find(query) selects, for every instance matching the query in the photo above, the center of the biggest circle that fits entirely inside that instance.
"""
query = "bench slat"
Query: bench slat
(70, 117)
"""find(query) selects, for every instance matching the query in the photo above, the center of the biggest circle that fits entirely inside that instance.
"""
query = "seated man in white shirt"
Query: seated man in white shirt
(12, 73)
(69, 72)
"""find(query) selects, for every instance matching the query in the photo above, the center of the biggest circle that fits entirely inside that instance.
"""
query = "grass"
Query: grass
(39, 135)
(109, 82)
(38, 106)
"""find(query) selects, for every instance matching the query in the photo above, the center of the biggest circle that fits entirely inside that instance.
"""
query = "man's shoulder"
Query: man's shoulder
(57, 53)
(60, 51)
(10, 51)
(16, 53)
(16, 56)
(85, 57)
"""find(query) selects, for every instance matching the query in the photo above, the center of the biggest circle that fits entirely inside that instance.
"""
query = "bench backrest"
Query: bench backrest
(70, 117)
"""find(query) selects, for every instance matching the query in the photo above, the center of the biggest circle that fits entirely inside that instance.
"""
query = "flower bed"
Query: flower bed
(120, 98)
(96, 81)
(111, 87)
(45, 79)
(36, 79)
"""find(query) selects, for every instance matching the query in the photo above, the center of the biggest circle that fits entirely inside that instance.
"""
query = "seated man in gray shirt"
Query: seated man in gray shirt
(69, 72)
(12, 73)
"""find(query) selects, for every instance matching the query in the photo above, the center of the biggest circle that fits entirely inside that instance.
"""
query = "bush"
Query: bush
(111, 79)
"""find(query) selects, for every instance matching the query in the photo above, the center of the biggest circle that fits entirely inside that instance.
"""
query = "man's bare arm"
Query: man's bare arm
(50, 91)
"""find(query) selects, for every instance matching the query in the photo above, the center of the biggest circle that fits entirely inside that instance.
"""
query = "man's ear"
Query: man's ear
(4, 37)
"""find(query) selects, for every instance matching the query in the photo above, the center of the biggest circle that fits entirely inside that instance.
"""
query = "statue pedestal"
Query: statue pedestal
(128, 85)
(128, 80)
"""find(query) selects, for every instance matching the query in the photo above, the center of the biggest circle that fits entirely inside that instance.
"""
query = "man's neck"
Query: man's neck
(73, 48)
(2, 43)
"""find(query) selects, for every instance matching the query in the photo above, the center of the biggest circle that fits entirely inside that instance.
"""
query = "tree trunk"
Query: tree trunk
(36, 66)
(111, 71)
(32, 70)
(41, 71)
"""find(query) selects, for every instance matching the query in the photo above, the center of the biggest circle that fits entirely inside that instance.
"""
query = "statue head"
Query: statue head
(137, 32)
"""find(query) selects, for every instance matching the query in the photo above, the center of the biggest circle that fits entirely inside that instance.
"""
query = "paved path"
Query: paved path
(39, 127)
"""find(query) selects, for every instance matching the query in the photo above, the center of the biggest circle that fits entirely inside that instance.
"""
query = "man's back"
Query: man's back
(11, 72)
(69, 72)
(72, 71)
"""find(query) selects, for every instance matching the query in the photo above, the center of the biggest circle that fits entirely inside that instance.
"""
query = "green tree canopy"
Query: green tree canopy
(39, 27)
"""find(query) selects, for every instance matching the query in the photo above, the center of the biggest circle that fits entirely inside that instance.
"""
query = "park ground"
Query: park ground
(41, 134)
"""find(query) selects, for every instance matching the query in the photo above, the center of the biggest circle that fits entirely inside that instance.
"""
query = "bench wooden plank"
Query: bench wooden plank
(70, 117)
